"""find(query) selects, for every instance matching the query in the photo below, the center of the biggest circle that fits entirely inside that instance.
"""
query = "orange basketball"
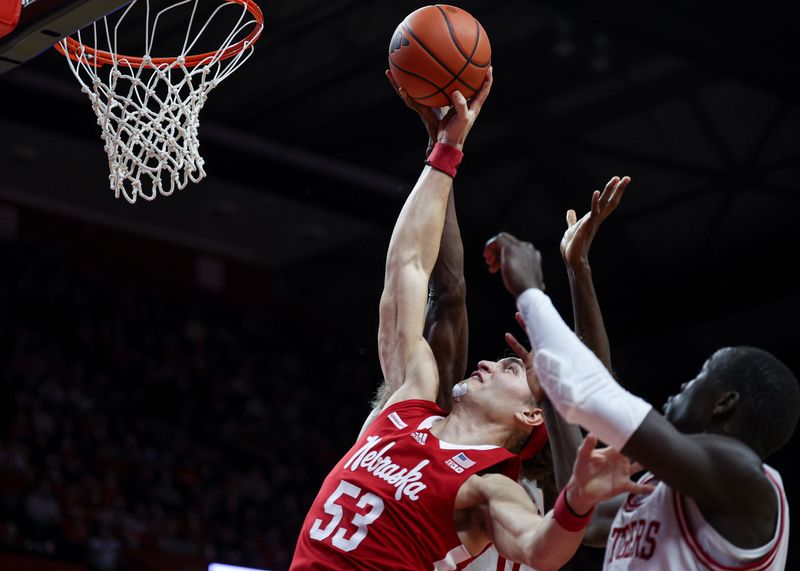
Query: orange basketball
(439, 49)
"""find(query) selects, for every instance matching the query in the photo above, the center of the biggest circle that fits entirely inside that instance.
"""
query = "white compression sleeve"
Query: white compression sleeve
(574, 379)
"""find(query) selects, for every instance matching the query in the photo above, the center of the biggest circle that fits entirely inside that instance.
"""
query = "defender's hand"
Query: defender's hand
(430, 115)
(519, 263)
(601, 474)
(580, 233)
(527, 359)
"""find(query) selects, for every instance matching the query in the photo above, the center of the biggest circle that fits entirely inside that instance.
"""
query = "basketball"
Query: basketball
(436, 50)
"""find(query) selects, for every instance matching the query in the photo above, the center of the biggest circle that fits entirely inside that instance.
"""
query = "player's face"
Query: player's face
(503, 380)
(690, 410)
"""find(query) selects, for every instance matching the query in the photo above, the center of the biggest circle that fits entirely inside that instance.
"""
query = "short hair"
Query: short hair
(769, 392)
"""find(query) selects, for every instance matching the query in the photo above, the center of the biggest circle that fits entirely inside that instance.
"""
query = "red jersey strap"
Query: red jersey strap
(407, 414)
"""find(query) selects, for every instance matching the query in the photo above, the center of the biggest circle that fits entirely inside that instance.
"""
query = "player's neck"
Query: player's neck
(460, 427)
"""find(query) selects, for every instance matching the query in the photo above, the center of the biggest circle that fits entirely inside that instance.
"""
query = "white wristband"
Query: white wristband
(574, 379)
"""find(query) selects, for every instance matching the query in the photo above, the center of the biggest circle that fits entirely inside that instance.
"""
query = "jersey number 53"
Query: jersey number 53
(359, 521)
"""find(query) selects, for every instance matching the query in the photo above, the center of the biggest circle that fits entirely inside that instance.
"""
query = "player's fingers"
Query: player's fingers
(451, 112)
(496, 243)
(610, 186)
(619, 189)
(459, 103)
(596, 197)
(492, 246)
(491, 255)
(517, 347)
(427, 114)
(518, 317)
(572, 218)
(588, 446)
(397, 88)
(477, 101)
(410, 103)
(507, 239)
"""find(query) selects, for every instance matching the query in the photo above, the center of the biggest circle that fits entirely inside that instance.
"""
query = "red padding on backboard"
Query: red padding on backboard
(9, 15)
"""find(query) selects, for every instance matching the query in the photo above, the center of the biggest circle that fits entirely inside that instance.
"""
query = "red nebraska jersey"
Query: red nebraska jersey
(665, 531)
(388, 503)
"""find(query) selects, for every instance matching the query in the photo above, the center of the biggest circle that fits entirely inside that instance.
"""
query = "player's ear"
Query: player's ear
(530, 417)
(726, 402)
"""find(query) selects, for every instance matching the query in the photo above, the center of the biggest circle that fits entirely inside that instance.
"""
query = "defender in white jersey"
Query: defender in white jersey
(709, 445)
(666, 530)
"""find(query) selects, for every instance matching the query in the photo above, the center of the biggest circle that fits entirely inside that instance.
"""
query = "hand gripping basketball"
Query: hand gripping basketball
(456, 124)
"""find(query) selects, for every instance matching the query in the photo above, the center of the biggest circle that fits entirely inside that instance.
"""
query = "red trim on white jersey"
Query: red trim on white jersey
(634, 501)
(758, 565)
(502, 562)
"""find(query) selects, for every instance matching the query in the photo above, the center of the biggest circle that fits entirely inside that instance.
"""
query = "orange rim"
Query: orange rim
(98, 58)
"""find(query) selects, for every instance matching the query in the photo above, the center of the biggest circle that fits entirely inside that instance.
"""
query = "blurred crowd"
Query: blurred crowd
(137, 424)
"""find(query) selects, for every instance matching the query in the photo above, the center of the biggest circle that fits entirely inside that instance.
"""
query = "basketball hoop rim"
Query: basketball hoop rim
(98, 58)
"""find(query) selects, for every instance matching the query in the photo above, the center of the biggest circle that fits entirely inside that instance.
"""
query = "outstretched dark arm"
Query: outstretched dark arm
(589, 325)
(446, 326)
(565, 438)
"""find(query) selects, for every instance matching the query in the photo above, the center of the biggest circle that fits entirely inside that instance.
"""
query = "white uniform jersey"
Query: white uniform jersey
(491, 560)
(665, 531)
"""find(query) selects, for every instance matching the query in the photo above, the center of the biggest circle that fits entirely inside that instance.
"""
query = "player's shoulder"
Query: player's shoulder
(735, 462)
(727, 450)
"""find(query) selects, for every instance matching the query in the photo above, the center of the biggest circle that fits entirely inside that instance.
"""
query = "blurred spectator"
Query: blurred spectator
(140, 423)
(42, 513)
(103, 550)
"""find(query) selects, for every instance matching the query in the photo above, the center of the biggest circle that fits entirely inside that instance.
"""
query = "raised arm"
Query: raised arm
(709, 468)
(446, 325)
(406, 357)
(589, 327)
(445, 314)
(575, 245)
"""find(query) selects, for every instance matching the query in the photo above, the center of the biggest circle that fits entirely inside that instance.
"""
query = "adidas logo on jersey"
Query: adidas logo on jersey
(420, 437)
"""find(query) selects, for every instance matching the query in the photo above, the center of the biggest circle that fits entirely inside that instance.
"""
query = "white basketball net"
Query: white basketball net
(149, 110)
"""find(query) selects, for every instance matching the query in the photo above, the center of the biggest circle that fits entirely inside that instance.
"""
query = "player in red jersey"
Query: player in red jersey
(418, 491)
